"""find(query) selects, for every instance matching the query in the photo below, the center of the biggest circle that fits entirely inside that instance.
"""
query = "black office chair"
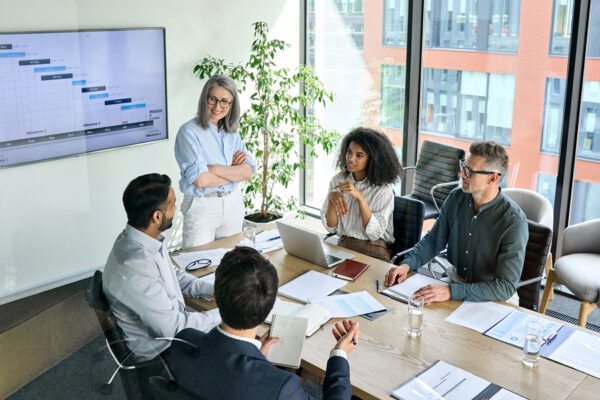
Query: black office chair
(116, 343)
(165, 389)
(538, 247)
(436, 175)
(408, 224)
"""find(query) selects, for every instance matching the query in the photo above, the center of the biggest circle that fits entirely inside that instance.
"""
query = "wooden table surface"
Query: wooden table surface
(386, 357)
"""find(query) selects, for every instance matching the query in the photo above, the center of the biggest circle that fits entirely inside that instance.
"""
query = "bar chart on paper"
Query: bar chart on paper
(64, 93)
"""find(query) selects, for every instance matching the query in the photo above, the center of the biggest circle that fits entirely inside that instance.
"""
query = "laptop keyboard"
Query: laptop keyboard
(331, 259)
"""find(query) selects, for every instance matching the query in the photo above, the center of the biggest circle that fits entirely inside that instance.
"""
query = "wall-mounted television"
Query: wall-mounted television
(72, 92)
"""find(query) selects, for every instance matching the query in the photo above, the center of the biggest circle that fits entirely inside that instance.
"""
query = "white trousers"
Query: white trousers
(208, 218)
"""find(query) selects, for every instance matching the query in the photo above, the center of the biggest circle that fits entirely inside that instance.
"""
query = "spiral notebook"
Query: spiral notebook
(290, 331)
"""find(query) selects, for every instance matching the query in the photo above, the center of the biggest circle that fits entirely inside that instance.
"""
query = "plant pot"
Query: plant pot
(257, 220)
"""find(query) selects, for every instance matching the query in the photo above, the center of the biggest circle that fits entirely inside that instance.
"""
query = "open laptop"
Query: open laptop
(309, 246)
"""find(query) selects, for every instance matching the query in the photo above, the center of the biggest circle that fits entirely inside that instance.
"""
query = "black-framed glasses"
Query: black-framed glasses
(469, 172)
(224, 103)
(197, 264)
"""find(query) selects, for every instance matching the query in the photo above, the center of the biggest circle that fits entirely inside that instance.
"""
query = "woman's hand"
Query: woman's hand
(337, 200)
(239, 158)
(349, 188)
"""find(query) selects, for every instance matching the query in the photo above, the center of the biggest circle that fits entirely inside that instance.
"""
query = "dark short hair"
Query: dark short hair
(383, 166)
(245, 288)
(144, 195)
(496, 158)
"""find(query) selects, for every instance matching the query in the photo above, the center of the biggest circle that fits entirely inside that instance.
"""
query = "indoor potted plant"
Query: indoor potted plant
(276, 122)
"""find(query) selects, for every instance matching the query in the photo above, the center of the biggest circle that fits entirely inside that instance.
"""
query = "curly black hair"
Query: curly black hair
(383, 166)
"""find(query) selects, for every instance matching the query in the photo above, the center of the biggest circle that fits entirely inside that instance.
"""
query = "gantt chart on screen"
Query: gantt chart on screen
(65, 93)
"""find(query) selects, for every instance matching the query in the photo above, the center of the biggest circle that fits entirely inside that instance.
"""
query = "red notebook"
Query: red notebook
(349, 270)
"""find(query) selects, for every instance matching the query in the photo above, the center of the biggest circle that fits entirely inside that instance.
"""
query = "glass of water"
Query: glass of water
(250, 235)
(415, 314)
(533, 344)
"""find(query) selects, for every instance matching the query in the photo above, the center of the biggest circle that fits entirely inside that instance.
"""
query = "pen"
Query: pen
(354, 340)
(273, 238)
(550, 338)
(378, 290)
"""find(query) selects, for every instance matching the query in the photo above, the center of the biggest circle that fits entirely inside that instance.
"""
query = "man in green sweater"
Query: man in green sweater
(485, 231)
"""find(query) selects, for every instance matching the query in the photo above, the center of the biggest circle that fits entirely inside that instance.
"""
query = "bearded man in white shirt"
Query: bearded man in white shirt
(143, 287)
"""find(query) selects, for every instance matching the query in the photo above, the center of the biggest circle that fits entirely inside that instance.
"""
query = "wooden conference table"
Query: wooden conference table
(386, 357)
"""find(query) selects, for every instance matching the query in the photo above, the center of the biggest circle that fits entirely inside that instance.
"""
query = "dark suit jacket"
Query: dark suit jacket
(226, 368)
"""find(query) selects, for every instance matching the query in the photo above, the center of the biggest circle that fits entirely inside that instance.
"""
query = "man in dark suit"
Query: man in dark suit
(228, 362)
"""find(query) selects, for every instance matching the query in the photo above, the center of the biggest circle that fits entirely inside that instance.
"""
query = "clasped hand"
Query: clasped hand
(337, 199)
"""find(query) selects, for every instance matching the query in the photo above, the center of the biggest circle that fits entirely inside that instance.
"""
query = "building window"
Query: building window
(586, 195)
(560, 35)
(392, 96)
(491, 25)
(588, 139)
(395, 22)
(469, 105)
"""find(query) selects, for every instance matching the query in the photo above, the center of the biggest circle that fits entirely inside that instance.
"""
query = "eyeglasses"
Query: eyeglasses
(200, 263)
(224, 103)
(469, 172)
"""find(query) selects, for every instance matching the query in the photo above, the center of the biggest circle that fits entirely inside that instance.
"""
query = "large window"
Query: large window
(487, 74)
(561, 29)
(467, 104)
(588, 144)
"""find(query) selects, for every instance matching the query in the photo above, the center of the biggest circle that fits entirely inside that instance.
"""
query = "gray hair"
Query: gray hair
(231, 122)
(496, 158)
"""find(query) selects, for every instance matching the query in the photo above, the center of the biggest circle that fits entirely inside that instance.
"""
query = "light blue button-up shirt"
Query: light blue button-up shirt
(196, 148)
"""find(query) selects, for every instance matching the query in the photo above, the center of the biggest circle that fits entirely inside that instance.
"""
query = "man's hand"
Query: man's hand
(345, 333)
(337, 200)
(433, 293)
(349, 188)
(396, 274)
(239, 158)
(267, 342)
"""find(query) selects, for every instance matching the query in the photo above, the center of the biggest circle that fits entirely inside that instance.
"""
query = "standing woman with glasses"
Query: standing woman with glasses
(213, 160)
(360, 203)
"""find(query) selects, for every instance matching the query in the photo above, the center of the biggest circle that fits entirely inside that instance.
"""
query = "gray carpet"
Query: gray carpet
(81, 375)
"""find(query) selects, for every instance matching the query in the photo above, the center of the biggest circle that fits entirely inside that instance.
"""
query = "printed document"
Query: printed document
(349, 305)
(580, 351)
(187, 257)
(511, 329)
(479, 316)
(404, 289)
(445, 381)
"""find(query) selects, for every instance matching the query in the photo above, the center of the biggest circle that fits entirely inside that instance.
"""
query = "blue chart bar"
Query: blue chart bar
(50, 69)
(131, 106)
(77, 83)
(17, 54)
(117, 101)
(99, 96)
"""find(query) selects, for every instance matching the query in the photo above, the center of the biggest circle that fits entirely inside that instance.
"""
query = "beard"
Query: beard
(165, 224)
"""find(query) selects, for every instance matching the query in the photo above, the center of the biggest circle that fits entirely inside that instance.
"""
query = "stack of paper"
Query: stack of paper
(316, 315)
(403, 290)
(349, 305)
(479, 316)
(265, 241)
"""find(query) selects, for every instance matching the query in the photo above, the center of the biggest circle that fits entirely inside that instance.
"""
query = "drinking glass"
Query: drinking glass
(415, 315)
(250, 235)
(533, 344)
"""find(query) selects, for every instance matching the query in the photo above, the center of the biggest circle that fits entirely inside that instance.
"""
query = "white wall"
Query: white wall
(59, 218)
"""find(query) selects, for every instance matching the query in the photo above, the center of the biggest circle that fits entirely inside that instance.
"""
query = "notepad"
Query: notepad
(290, 331)
(310, 285)
(349, 270)
(403, 290)
(316, 315)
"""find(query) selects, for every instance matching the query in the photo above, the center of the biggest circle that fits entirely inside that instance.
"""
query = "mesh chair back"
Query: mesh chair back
(408, 223)
(437, 163)
(538, 247)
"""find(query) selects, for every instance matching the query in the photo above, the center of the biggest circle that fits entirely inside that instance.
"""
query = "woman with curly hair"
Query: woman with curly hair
(360, 202)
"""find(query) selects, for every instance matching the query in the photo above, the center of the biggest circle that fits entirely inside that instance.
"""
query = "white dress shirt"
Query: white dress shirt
(381, 203)
(145, 292)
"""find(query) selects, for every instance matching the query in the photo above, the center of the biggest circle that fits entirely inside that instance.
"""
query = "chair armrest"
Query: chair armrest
(440, 185)
(400, 254)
